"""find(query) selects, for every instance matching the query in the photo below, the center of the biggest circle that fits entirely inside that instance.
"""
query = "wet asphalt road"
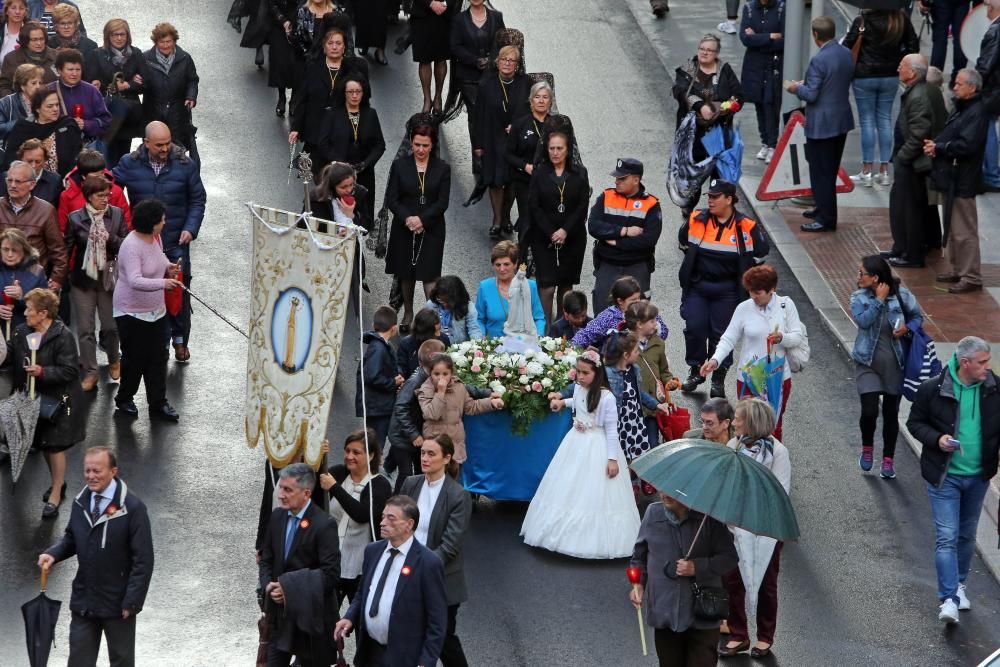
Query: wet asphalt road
(857, 589)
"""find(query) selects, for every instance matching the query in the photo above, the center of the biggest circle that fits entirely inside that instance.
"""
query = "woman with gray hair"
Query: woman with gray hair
(522, 149)
(753, 424)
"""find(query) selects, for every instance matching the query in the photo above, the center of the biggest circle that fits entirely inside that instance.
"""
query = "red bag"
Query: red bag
(674, 425)
(174, 297)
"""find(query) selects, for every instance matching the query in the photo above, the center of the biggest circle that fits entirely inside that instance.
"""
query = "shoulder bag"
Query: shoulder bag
(856, 47)
(51, 408)
(710, 603)
(797, 357)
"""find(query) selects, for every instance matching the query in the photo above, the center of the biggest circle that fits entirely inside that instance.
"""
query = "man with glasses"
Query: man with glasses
(36, 218)
(49, 186)
(957, 163)
(626, 221)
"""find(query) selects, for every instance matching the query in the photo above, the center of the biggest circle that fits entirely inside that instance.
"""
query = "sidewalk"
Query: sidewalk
(826, 264)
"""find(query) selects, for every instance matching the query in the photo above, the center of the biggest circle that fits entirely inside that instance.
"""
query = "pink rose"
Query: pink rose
(558, 354)
(476, 368)
(478, 353)
(536, 386)
(522, 370)
(497, 372)
(571, 374)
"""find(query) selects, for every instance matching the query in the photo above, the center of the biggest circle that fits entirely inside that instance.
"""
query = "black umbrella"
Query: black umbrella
(878, 4)
(40, 616)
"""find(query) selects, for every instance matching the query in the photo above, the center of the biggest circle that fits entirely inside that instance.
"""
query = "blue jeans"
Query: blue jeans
(956, 506)
(875, 97)
(991, 159)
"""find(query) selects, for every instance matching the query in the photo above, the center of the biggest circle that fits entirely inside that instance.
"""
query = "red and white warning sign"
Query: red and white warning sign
(788, 173)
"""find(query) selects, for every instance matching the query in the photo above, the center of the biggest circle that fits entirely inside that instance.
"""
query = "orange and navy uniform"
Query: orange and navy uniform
(611, 213)
(718, 248)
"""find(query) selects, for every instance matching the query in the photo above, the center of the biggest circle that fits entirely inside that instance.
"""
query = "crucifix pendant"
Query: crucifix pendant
(422, 200)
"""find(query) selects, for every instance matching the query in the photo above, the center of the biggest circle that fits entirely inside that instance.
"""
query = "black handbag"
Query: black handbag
(711, 603)
(51, 408)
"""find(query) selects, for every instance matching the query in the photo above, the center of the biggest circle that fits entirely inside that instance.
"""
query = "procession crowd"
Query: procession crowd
(84, 214)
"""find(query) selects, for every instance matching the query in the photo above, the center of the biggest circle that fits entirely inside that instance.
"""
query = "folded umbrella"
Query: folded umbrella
(40, 616)
(722, 483)
(726, 145)
(684, 175)
(18, 420)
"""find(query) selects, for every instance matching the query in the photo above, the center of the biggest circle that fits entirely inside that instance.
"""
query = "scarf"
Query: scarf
(68, 42)
(36, 58)
(761, 451)
(166, 62)
(95, 258)
(337, 510)
(119, 58)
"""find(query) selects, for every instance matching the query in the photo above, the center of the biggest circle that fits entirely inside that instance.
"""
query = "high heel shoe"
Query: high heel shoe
(48, 492)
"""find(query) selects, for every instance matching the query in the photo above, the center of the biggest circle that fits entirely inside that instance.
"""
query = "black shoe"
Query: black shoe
(404, 329)
(507, 228)
(164, 413)
(127, 407)
(718, 389)
(380, 59)
(815, 227)
(279, 110)
(48, 492)
(726, 652)
(402, 44)
(903, 263)
(494, 231)
(693, 380)
(50, 511)
(809, 213)
(759, 653)
(886, 254)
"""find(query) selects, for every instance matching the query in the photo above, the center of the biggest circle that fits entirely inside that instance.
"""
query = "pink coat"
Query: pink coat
(443, 412)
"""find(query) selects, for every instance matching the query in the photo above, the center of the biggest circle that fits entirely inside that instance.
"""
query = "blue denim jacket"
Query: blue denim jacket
(616, 382)
(868, 315)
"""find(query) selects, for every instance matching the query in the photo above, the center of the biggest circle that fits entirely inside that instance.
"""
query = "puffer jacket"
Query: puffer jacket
(178, 186)
(988, 66)
(867, 311)
(879, 57)
(443, 412)
(379, 368)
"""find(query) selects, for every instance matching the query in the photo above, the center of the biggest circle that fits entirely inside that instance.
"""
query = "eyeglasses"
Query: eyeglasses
(67, 24)
(702, 50)
(508, 60)
(862, 274)
(119, 34)
(18, 181)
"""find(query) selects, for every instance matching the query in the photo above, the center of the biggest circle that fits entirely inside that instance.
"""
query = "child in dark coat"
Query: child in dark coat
(380, 378)
(574, 308)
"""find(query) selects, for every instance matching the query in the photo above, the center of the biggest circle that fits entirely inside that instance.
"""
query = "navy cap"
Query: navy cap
(721, 187)
(627, 166)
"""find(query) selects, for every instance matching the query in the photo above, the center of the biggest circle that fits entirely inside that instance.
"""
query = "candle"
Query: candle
(34, 342)
(77, 111)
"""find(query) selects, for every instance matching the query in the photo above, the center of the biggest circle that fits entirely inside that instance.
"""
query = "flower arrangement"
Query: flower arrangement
(524, 380)
(732, 105)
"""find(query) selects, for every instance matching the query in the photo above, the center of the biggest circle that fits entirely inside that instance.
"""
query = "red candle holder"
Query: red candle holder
(634, 575)
(77, 111)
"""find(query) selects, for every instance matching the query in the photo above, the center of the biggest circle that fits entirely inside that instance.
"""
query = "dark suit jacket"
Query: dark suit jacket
(826, 92)
(449, 521)
(314, 547)
(419, 615)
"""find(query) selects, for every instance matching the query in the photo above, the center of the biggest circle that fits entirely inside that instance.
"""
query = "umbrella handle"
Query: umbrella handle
(701, 525)
(45, 578)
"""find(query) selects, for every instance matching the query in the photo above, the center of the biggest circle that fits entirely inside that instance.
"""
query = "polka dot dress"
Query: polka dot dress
(631, 428)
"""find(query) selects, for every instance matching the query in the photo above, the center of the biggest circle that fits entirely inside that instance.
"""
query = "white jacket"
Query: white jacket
(751, 325)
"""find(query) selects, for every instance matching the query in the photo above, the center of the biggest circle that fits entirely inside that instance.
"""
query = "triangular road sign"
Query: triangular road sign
(788, 173)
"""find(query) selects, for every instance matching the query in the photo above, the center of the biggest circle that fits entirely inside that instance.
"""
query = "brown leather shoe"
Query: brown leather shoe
(947, 278)
(89, 382)
(115, 370)
(181, 352)
(964, 287)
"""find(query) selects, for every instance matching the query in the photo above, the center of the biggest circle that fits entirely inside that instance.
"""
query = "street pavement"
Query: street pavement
(857, 589)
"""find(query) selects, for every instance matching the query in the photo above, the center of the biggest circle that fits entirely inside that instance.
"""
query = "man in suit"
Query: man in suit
(825, 91)
(108, 532)
(400, 610)
(299, 568)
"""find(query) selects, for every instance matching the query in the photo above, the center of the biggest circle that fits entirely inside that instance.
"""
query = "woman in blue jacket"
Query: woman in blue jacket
(492, 303)
(762, 31)
(884, 312)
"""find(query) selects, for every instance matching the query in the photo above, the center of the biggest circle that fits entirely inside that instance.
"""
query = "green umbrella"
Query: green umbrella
(722, 483)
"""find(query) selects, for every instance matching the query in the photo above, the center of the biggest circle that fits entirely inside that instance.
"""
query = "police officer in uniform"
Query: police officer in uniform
(625, 222)
(719, 245)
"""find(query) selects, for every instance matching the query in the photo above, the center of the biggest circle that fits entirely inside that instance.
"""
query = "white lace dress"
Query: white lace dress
(578, 510)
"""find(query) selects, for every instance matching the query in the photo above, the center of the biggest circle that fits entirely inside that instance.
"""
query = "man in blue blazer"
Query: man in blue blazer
(829, 118)
(400, 610)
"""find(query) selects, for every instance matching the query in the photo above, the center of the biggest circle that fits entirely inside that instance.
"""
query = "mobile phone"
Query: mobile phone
(899, 322)
(955, 443)
(348, 200)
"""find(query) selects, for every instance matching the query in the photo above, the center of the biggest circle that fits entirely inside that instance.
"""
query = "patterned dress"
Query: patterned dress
(631, 428)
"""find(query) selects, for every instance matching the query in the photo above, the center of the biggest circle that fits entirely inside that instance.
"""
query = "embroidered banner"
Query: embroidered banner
(299, 293)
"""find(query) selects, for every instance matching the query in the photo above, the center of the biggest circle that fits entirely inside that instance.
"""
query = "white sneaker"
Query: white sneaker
(949, 612)
(964, 604)
(770, 156)
(762, 153)
(863, 178)
(728, 27)
(884, 178)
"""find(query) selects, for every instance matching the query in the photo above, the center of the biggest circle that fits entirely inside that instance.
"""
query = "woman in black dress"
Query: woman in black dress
(471, 38)
(371, 21)
(430, 21)
(116, 69)
(502, 98)
(284, 65)
(558, 200)
(322, 87)
(418, 193)
(353, 135)
(522, 150)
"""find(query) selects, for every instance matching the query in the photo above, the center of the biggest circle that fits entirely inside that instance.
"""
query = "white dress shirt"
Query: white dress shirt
(105, 497)
(378, 627)
(429, 493)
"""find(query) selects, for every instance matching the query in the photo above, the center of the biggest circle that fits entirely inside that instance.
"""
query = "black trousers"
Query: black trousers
(452, 654)
(908, 213)
(890, 420)
(407, 458)
(824, 163)
(144, 357)
(691, 648)
(706, 309)
(768, 115)
(85, 640)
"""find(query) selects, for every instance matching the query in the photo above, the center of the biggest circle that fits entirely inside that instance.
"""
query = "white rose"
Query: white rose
(459, 359)
(497, 386)
(546, 382)
(524, 379)
(535, 368)
(465, 347)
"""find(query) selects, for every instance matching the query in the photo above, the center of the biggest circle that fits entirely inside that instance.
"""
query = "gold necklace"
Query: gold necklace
(422, 179)
(355, 118)
(503, 88)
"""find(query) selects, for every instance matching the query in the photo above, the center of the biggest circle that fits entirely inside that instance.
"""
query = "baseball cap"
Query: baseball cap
(627, 166)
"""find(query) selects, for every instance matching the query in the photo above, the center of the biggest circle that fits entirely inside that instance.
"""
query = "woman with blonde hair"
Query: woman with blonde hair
(15, 13)
(66, 19)
(17, 105)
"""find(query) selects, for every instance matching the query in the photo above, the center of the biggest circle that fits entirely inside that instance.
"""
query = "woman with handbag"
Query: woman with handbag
(763, 325)
(753, 425)
(883, 311)
(116, 68)
(55, 369)
(93, 235)
(678, 548)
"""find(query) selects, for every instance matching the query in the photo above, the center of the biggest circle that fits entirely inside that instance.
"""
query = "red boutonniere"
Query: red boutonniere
(406, 570)
(111, 509)
(304, 524)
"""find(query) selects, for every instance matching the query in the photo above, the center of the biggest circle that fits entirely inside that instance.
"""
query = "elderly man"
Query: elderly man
(160, 169)
(956, 417)
(825, 91)
(299, 568)
(36, 218)
(110, 535)
(957, 171)
(49, 186)
(626, 221)
(921, 116)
